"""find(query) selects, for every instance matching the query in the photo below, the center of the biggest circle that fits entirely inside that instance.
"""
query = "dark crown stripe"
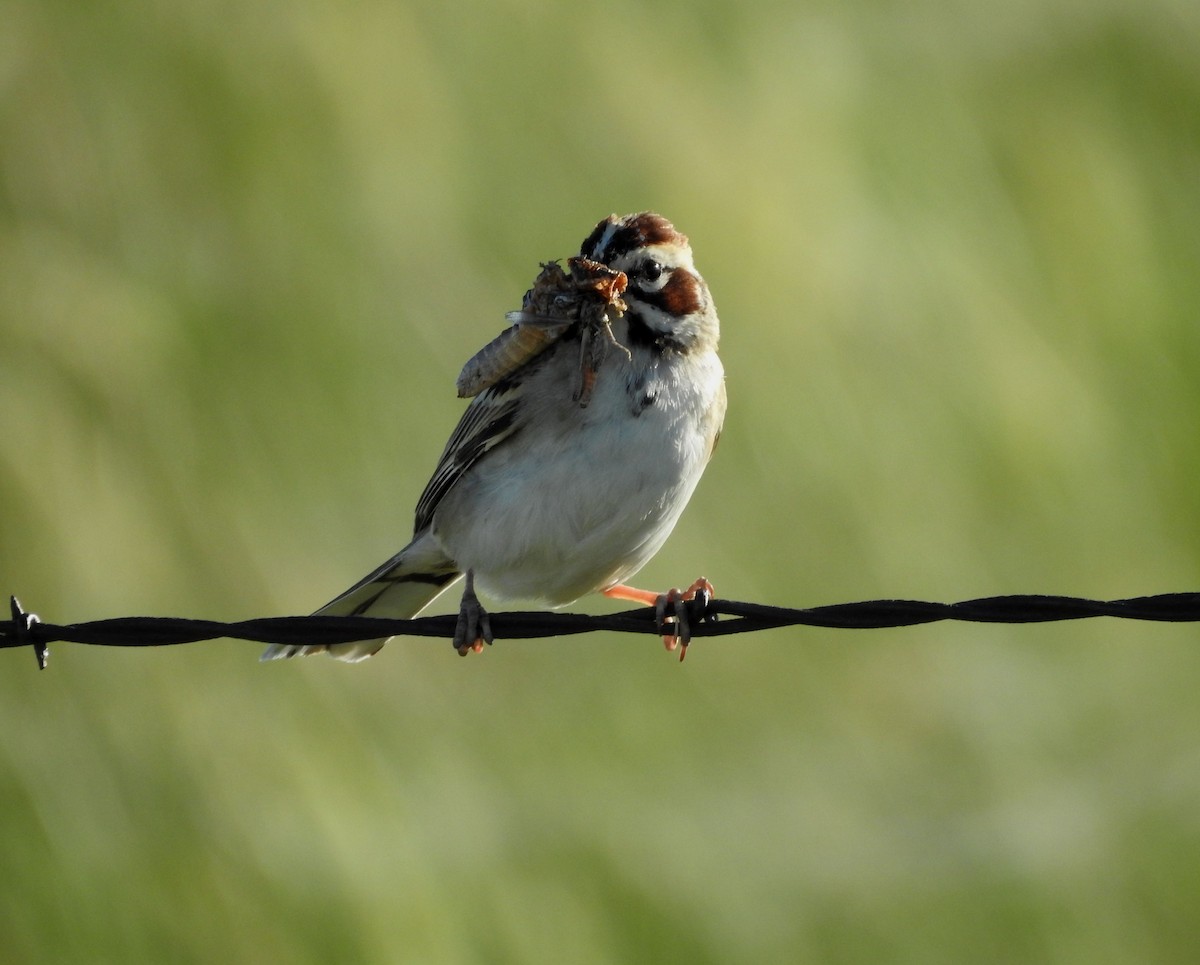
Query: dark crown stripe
(632, 232)
(588, 248)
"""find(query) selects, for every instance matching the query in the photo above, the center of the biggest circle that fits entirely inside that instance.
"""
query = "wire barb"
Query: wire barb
(25, 629)
(22, 632)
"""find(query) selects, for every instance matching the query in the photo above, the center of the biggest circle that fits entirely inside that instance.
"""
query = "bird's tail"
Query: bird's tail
(401, 588)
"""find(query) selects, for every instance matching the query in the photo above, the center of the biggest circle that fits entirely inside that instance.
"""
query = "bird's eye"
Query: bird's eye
(651, 276)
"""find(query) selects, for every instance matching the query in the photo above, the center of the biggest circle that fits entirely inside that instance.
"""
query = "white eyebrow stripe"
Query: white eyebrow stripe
(670, 257)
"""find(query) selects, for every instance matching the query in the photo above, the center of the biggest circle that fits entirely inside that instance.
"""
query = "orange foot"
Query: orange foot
(473, 628)
(674, 599)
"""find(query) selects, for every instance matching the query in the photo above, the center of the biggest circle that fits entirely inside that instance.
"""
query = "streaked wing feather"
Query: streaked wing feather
(487, 422)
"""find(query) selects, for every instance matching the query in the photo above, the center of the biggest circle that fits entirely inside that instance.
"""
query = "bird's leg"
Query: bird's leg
(674, 601)
(474, 628)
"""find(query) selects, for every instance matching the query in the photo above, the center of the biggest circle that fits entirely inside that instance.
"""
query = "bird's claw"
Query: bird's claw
(672, 608)
(474, 626)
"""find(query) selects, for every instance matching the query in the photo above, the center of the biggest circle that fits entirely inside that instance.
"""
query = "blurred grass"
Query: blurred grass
(244, 249)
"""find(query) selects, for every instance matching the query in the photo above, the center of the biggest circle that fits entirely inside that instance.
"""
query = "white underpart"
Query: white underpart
(584, 497)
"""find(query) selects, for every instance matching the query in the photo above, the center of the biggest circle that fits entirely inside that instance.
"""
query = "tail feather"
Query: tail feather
(400, 588)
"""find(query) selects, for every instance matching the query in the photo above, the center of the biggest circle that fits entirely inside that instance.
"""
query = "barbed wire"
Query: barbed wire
(704, 617)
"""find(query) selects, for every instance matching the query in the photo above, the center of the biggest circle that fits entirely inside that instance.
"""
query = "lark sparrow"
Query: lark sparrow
(543, 496)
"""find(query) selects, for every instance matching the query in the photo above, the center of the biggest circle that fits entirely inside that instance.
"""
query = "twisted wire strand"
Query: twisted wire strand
(706, 618)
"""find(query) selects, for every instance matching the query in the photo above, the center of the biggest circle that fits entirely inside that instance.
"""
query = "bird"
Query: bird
(539, 496)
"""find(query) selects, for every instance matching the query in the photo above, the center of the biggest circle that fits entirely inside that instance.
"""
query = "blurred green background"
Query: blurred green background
(244, 250)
